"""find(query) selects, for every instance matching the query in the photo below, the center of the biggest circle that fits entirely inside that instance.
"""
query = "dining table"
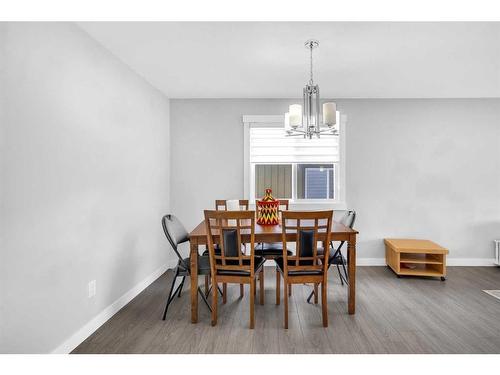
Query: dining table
(273, 234)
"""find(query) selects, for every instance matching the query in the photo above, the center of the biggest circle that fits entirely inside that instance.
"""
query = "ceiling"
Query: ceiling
(268, 59)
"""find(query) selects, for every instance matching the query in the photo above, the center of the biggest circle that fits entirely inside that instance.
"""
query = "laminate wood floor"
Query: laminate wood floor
(407, 315)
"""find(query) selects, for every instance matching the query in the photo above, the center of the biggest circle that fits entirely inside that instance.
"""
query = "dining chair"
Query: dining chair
(221, 204)
(231, 265)
(307, 265)
(177, 234)
(336, 256)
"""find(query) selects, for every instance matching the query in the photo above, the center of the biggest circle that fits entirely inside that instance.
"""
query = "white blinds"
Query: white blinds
(270, 145)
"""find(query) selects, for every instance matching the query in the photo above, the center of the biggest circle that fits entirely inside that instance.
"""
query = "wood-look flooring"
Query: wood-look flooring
(406, 315)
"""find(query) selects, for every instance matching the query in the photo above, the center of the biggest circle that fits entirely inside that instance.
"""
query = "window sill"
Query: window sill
(312, 204)
(315, 204)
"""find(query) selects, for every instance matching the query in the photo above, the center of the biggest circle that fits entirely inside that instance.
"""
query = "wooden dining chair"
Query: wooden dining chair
(221, 204)
(307, 266)
(231, 265)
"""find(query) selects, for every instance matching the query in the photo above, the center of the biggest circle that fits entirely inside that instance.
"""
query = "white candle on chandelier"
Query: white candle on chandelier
(287, 121)
(295, 111)
(329, 114)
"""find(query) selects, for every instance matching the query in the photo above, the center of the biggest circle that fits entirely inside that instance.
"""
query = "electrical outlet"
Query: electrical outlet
(92, 288)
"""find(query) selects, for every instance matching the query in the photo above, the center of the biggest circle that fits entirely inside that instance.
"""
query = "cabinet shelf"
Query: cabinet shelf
(419, 259)
(421, 270)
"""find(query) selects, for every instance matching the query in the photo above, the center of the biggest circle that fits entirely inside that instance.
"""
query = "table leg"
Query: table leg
(351, 262)
(194, 282)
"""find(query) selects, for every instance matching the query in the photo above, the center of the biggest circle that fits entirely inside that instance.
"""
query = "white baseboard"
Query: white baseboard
(78, 337)
(452, 262)
(370, 262)
(359, 262)
(472, 262)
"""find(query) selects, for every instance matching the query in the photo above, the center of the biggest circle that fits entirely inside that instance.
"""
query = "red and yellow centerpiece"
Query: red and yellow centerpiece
(267, 209)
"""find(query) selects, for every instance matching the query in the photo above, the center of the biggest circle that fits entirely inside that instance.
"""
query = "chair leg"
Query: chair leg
(285, 297)
(180, 287)
(346, 275)
(214, 303)
(310, 296)
(242, 291)
(340, 275)
(278, 277)
(224, 292)
(169, 298)
(315, 294)
(204, 298)
(252, 303)
(207, 282)
(324, 304)
(261, 286)
(289, 290)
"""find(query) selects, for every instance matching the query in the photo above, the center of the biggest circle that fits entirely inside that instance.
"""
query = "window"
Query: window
(278, 177)
(303, 170)
(315, 181)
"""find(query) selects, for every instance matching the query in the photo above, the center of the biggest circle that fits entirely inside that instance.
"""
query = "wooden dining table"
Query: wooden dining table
(268, 234)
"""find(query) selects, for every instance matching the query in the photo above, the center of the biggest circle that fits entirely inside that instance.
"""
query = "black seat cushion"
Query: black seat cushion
(217, 251)
(270, 246)
(258, 263)
(273, 249)
(203, 265)
(216, 248)
(279, 263)
(270, 252)
(337, 259)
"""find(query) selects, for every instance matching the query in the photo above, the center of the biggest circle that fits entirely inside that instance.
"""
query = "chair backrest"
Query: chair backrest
(221, 204)
(284, 203)
(226, 228)
(309, 227)
(175, 233)
(348, 219)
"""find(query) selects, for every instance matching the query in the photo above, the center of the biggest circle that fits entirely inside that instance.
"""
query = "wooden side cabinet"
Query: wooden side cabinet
(407, 257)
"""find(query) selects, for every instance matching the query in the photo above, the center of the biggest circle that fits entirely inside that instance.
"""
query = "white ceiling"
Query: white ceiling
(268, 60)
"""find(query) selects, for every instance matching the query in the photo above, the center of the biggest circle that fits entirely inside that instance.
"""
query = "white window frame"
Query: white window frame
(339, 203)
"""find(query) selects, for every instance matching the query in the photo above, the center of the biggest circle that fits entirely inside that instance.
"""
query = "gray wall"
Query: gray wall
(207, 151)
(84, 179)
(415, 168)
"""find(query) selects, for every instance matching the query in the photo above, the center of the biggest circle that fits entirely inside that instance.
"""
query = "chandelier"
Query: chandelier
(306, 120)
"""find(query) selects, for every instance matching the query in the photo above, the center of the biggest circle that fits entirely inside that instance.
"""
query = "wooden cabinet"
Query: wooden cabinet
(415, 257)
